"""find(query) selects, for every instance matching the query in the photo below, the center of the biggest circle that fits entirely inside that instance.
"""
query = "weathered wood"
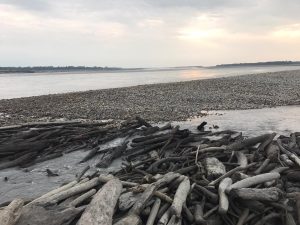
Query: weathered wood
(251, 181)
(229, 173)
(39, 215)
(247, 142)
(53, 199)
(83, 197)
(100, 210)
(198, 214)
(11, 213)
(223, 199)
(180, 197)
(55, 191)
(129, 220)
(264, 194)
(154, 211)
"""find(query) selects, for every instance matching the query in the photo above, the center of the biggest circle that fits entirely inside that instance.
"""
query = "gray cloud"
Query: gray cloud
(145, 32)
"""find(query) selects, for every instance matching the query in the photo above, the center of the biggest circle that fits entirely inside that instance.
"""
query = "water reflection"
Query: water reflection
(282, 120)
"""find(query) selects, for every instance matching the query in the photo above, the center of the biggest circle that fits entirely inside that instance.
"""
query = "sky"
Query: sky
(147, 33)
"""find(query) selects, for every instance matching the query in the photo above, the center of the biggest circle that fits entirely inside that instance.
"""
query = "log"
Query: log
(131, 219)
(53, 199)
(154, 211)
(180, 197)
(11, 213)
(198, 214)
(100, 210)
(165, 217)
(55, 191)
(83, 197)
(38, 215)
(265, 194)
(292, 156)
(251, 181)
(229, 173)
(22, 159)
(223, 199)
(247, 142)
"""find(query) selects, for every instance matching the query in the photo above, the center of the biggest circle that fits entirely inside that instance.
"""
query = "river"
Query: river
(28, 84)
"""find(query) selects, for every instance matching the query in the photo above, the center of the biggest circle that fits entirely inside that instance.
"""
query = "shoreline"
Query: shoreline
(160, 102)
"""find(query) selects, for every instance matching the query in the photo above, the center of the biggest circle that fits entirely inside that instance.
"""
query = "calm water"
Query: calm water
(24, 85)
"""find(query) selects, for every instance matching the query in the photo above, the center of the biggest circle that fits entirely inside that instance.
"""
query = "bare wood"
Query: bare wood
(264, 194)
(131, 219)
(223, 199)
(212, 196)
(242, 159)
(180, 197)
(100, 210)
(229, 173)
(198, 214)
(72, 191)
(292, 156)
(258, 179)
(55, 191)
(162, 196)
(83, 197)
(153, 212)
(243, 216)
(11, 213)
(165, 217)
(247, 142)
(38, 215)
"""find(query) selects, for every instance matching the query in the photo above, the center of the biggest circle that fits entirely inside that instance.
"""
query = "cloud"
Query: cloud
(147, 32)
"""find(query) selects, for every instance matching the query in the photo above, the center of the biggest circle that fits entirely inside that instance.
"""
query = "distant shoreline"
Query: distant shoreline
(49, 69)
(160, 102)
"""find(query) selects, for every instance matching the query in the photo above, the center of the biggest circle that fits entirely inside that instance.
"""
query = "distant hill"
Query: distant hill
(272, 63)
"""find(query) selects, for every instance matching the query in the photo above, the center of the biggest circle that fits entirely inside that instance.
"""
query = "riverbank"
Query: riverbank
(160, 102)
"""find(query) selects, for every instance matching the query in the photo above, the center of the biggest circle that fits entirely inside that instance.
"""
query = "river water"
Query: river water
(28, 84)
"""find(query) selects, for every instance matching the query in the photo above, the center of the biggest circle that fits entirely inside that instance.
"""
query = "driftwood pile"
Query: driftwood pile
(170, 176)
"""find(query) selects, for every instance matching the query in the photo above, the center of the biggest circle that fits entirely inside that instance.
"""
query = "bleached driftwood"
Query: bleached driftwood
(264, 194)
(102, 206)
(180, 197)
(258, 179)
(131, 219)
(71, 191)
(223, 199)
(37, 215)
(83, 197)
(11, 213)
(153, 212)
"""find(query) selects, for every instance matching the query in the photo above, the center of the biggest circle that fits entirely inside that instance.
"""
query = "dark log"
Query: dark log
(21, 160)
(247, 142)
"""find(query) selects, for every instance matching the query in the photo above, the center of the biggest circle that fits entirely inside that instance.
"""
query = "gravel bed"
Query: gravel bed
(160, 102)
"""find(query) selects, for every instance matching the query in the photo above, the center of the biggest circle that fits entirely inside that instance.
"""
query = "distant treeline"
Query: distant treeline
(41, 69)
(272, 63)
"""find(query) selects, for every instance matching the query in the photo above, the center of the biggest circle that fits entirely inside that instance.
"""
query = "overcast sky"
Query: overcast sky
(146, 33)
